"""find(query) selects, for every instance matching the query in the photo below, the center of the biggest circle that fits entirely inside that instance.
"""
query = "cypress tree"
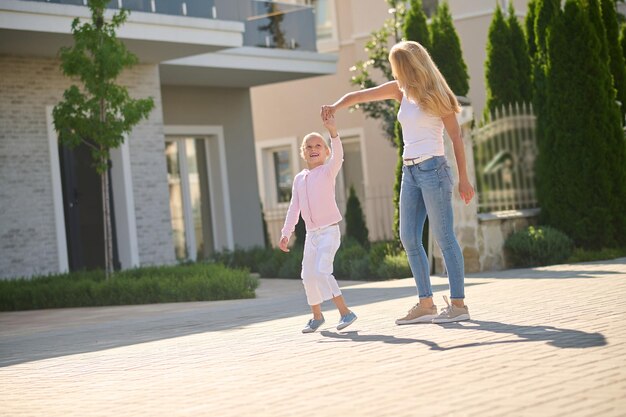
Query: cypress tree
(355, 220)
(529, 24)
(300, 232)
(622, 41)
(520, 53)
(266, 234)
(574, 182)
(500, 67)
(415, 27)
(592, 8)
(396, 187)
(446, 51)
(616, 55)
(545, 11)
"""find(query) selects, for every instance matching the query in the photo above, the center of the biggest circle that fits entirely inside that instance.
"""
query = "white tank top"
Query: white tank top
(422, 133)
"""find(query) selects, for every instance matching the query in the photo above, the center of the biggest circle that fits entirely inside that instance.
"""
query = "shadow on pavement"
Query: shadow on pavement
(120, 330)
(554, 336)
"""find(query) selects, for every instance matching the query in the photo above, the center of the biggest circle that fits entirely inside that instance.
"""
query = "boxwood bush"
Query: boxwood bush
(538, 246)
(190, 282)
(382, 260)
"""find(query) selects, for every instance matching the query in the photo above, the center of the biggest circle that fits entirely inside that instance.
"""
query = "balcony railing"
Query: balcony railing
(268, 24)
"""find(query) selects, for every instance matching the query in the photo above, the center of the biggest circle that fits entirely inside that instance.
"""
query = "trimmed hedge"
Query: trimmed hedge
(382, 260)
(190, 282)
(538, 246)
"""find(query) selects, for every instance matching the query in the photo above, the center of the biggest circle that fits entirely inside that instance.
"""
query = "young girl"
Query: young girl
(427, 106)
(313, 196)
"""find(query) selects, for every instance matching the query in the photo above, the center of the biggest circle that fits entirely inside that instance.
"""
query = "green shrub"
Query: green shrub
(243, 258)
(355, 220)
(192, 282)
(394, 266)
(583, 255)
(291, 264)
(269, 267)
(379, 250)
(538, 246)
(349, 261)
(352, 261)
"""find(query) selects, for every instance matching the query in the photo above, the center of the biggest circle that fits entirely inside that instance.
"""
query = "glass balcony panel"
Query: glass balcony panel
(268, 24)
(277, 25)
(174, 7)
(74, 2)
(138, 5)
(201, 8)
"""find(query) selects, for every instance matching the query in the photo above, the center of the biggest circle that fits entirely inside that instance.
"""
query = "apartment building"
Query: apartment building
(184, 182)
(285, 112)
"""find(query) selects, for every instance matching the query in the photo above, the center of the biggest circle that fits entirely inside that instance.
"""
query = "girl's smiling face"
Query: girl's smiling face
(314, 151)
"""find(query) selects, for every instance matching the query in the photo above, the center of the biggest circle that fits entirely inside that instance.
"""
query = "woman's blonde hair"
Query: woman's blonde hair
(420, 80)
(309, 136)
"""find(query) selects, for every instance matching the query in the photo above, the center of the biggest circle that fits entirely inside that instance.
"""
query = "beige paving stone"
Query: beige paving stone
(543, 342)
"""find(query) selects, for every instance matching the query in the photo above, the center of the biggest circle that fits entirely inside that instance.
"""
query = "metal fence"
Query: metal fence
(505, 148)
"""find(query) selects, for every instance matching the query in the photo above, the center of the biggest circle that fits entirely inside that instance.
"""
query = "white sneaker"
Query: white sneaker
(452, 313)
(419, 314)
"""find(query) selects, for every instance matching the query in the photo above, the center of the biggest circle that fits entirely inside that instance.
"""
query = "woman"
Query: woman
(427, 105)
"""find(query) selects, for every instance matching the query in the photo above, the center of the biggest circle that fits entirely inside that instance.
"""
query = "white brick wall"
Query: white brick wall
(27, 228)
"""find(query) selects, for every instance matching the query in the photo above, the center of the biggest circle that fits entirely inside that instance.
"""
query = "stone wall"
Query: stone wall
(481, 236)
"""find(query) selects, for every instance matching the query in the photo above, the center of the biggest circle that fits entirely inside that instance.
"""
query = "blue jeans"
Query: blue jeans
(427, 189)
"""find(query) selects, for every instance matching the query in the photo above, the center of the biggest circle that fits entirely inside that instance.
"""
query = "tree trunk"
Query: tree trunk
(106, 212)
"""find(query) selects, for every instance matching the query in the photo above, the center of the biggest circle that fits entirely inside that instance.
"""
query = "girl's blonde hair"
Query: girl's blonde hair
(309, 136)
(420, 80)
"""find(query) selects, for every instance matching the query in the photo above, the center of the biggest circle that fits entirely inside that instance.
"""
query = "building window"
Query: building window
(281, 161)
(323, 18)
(188, 180)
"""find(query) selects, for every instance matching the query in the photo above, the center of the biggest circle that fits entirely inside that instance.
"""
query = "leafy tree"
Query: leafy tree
(446, 51)
(101, 113)
(616, 55)
(415, 27)
(582, 139)
(519, 48)
(501, 71)
(355, 220)
(377, 49)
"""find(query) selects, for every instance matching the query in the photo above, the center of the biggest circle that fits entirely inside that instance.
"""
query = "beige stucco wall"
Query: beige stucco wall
(291, 109)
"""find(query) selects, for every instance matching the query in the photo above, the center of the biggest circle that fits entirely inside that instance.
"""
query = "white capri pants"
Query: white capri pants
(320, 247)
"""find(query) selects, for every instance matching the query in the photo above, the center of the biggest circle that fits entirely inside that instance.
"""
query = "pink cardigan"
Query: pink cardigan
(313, 194)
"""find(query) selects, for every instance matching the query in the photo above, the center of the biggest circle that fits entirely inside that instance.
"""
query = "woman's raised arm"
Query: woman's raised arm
(387, 91)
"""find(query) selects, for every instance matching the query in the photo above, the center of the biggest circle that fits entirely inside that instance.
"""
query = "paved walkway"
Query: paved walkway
(543, 342)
